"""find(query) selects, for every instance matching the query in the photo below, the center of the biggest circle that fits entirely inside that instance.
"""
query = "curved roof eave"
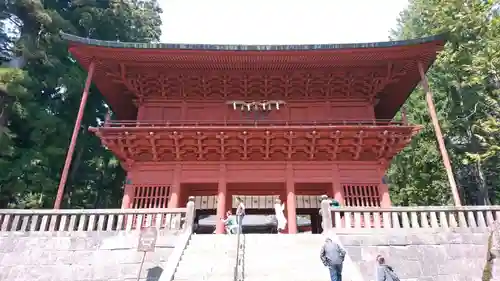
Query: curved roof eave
(234, 47)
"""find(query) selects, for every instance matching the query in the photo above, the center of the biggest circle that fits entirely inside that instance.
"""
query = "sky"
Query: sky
(278, 21)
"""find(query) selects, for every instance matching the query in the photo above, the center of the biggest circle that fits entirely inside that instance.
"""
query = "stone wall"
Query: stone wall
(419, 254)
(79, 256)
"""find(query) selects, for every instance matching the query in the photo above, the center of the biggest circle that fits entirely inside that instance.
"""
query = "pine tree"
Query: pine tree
(45, 99)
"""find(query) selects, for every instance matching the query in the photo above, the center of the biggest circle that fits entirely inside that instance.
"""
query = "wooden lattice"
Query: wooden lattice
(150, 196)
(361, 195)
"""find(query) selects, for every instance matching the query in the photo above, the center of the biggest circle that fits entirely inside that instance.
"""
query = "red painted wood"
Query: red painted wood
(74, 136)
(361, 188)
(182, 137)
(190, 141)
(294, 111)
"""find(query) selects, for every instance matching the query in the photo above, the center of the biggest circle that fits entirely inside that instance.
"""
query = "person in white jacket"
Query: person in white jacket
(280, 216)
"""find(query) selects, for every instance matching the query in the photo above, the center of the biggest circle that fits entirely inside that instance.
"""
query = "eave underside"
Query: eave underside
(319, 143)
(112, 58)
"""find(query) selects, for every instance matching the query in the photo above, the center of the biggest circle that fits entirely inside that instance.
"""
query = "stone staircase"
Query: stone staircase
(430, 255)
(208, 257)
(285, 257)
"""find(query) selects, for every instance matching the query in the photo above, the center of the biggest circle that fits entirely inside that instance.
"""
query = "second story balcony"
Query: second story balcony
(261, 140)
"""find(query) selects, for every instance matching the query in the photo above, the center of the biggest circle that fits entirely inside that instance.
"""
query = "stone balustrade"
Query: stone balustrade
(96, 219)
(443, 217)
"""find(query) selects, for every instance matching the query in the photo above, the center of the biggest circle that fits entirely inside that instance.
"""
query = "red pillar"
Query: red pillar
(74, 136)
(439, 136)
(175, 192)
(128, 196)
(385, 198)
(383, 189)
(336, 185)
(283, 198)
(291, 202)
(221, 200)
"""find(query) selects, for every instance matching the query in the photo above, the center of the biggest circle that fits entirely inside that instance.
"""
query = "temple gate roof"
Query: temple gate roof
(397, 60)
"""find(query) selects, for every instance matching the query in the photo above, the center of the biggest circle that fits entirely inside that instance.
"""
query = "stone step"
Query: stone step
(213, 253)
(207, 257)
(202, 278)
(208, 267)
(303, 254)
(289, 266)
(284, 243)
(293, 278)
(283, 237)
(286, 262)
(211, 256)
(209, 244)
(274, 247)
(304, 271)
(200, 262)
(290, 277)
(203, 274)
(211, 247)
(204, 248)
(281, 243)
(287, 276)
(207, 278)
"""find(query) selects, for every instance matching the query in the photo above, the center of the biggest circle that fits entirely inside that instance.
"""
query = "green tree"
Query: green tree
(464, 80)
(48, 96)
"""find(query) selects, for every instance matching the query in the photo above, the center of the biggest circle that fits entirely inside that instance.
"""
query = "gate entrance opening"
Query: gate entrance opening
(259, 221)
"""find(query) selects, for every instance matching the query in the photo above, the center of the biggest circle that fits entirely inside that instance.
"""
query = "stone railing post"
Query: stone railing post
(190, 214)
(326, 214)
(493, 261)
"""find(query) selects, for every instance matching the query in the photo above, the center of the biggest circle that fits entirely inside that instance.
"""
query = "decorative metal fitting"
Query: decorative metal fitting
(256, 105)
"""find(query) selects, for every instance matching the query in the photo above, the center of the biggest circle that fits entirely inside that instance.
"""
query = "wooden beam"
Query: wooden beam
(439, 135)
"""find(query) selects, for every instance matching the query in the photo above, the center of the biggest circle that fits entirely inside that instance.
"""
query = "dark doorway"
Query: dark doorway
(259, 221)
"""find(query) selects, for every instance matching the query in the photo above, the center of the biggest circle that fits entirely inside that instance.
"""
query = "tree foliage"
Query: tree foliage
(42, 100)
(465, 81)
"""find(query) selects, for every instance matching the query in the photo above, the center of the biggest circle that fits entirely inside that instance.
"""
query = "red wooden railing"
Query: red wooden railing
(249, 123)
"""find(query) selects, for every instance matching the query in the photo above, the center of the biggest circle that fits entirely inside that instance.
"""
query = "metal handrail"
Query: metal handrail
(238, 246)
(215, 123)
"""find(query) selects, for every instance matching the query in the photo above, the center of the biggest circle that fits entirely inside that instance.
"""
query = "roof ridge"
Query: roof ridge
(240, 47)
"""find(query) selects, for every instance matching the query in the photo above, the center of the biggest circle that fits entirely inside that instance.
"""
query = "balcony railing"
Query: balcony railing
(428, 217)
(249, 123)
(87, 220)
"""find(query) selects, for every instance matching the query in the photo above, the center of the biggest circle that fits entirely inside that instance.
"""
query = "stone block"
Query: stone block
(421, 278)
(354, 252)
(5, 272)
(89, 243)
(120, 242)
(167, 241)
(427, 255)
(8, 245)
